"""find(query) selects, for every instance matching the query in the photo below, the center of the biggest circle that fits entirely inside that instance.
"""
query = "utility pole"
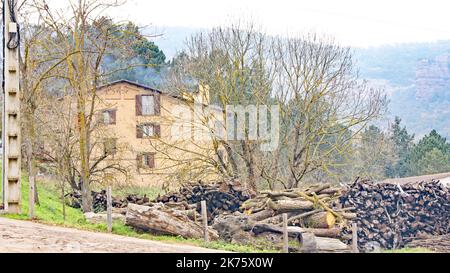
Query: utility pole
(11, 110)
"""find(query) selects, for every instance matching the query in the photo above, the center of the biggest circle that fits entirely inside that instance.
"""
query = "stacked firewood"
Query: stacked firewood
(179, 213)
(310, 207)
(310, 212)
(391, 215)
(440, 243)
(226, 196)
(99, 200)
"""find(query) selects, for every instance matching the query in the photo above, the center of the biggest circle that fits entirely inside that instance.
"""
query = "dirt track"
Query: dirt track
(23, 236)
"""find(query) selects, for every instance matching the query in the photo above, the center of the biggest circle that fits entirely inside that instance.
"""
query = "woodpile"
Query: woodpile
(226, 196)
(311, 219)
(319, 216)
(160, 219)
(99, 201)
(310, 207)
(178, 213)
(439, 243)
(392, 215)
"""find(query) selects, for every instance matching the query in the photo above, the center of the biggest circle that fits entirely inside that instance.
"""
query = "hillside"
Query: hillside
(417, 80)
(415, 76)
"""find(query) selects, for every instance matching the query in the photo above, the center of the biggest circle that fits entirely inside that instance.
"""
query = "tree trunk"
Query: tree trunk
(320, 232)
(290, 205)
(320, 220)
(330, 245)
(31, 163)
(248, 158)
(86, 202)
(165, 222)
(312, 243)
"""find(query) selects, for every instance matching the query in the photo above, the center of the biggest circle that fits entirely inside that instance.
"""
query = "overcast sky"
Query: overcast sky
(353, 22)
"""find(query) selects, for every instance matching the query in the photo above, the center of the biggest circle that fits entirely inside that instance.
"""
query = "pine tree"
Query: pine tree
(430, 155)
(403, 143)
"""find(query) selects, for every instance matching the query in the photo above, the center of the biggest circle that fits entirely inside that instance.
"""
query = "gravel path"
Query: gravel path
(24, 236)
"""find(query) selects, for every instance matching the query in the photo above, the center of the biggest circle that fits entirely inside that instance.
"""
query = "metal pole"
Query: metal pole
(11, 110)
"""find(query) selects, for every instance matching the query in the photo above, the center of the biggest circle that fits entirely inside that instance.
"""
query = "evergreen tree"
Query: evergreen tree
(141, 62)
(403, 143)
(374, 153)
(430, 155)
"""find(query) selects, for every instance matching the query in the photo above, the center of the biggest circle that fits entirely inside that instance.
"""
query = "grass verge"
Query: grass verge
(50, 211)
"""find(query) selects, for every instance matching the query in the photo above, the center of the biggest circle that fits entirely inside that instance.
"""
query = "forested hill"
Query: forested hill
(415, 76)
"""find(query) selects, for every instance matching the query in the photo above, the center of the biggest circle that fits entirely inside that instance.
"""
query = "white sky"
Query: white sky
(352, 22)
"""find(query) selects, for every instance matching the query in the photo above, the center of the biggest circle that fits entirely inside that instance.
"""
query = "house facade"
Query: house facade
(138, 129)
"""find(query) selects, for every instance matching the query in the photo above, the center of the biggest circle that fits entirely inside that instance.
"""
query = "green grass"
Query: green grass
(50, 211)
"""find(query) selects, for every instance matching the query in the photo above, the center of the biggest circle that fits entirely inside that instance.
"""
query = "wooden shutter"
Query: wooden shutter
(157, 100)
(139, 162)
(151, 161)
(138, 105)
(99, 118)
(139, 131)
(112, 116)
(157, 130)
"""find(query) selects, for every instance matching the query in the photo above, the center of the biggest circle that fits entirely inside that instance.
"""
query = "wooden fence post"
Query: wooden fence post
(205, 221)
(31, 195)
(285, 234)
(355, 238)
(109, 208)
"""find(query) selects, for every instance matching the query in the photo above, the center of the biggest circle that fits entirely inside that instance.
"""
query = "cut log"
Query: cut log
(166, 222)
(330, 245)
(320, 220)
(290, 205)
(312, 243)
(262, 228)
(264, 214)
(349, 216)
(308, 243)
(303, 215)
(320, 232)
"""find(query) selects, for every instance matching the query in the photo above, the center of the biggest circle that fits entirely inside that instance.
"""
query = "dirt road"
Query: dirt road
(23, 236)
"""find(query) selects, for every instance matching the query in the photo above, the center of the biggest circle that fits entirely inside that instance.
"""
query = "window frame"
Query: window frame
(143, 158)
(151, 107)
(140, 134)
(112, 116)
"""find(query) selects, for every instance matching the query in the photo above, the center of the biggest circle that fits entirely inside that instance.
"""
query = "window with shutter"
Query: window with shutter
(148, 105)
(148, 130)
(106, 117)
(146, 160)
(109, 117)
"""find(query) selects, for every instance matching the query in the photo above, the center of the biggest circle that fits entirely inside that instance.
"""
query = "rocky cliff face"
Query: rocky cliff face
(433, 78)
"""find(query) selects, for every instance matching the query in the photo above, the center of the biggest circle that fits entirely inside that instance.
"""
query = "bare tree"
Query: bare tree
(323, 104)
(84, 37)
(235, 63)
